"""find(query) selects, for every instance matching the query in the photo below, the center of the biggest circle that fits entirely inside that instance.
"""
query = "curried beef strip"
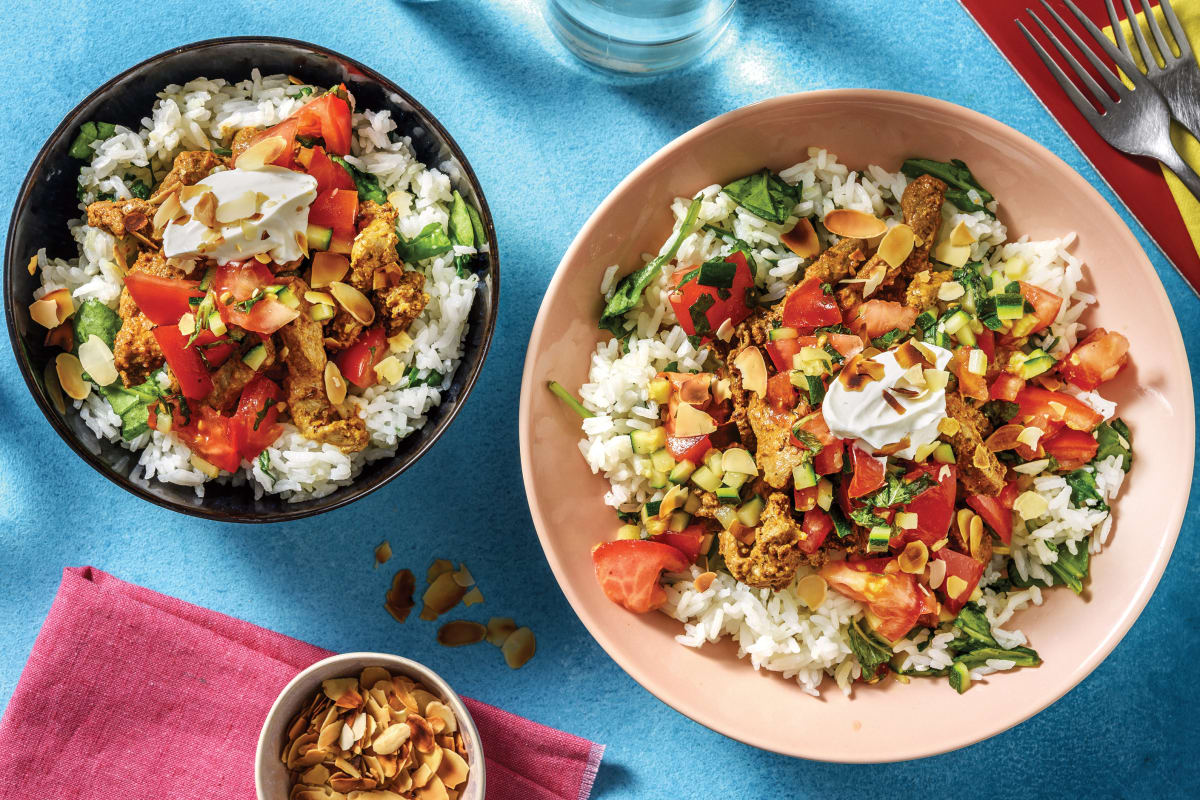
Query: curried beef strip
(981, 472)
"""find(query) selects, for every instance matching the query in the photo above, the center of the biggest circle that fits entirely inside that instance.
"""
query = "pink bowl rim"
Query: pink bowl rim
(1175, 511)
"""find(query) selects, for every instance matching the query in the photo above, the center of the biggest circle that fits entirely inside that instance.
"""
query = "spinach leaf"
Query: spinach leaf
(133, 404)
(462, 232)
(698, 311)
(1115, 440)
(1023, 583)
(867, 647)
(90, 132)
(367, 185)
(807, 439)
(736, 246)
(897, 492)
(477, 225)
(95, 318)
(886, 340)
(840, 526)
(1023, 656)
(999, 412)
(431, 241)
(1071, 570)
(433, 378)
(264, 464)
(629, 290)
(975, 629)
(139, 189)
(1084, 488)
(957, 175)
(765, 194)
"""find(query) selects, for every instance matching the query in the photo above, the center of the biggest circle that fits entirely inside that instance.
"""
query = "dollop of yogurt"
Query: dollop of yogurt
(257, 211)
(866, 416)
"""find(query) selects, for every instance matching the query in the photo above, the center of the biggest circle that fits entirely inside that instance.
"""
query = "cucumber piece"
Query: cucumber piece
(692, 504)
(681, 472)
(1010, 306)
(878, 538)
(706, 479)
(965, 336)
(662, 460)
(320, 312)
(658, 480)
(629, 532)
(734, 480)
(944, 453)
(714, 461)
(956, 321)
(1035, 364)
(728, 494)
(288, 297)
(206, 281)
(960, 677)
(319, 237)
(804, 475)
(750, 511)
(659, 390)
(650, 510)
(775, 334)
(648, 442)
(679, 520)
(824, 494)
(255, 357)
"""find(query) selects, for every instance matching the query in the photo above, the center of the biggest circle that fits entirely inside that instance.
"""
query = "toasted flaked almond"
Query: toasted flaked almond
(962, 521)
(499, 629)
(390, 740)
(961, 236)
(913, 558)
(443, 594)
(438, 567)
(954, 255)
(753, 369)
(399, 600)
(691, 421)
(335, 384)
(453, 770)
(399, 343)
(238, 207)
(950, 290)
(811, 589)
(440, 710)
(955, 586)
(422, 734)
(383, 553)
(896, 245)
(328, 267)
(343, 692)
(169, 210)
(675, 497)
(802, 239)
(721, 390)
(906, 520)
(187, 324)
(54, 308)
(461, 632)
(704, 580)
(32, 265)
(353, 301)
(319, 298)
(473, 597)
(519, 648)
(854, 224)
(937, 573)
(195, 190)
(389, 371)
(1030, 505)
(1030, 436)
(54, 387)
(97, 361)
(948, 426)
(725, 330)
(70, 376)
(372, 676)
(205, 210)
(330, 734)
(261, 153)
(975, 543)
(463, 576)
(875, 272)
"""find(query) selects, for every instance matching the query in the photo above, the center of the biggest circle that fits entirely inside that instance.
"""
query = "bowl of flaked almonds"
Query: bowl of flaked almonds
(369, 726)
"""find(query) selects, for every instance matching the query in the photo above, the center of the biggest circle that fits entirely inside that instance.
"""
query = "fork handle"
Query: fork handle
(1174, 162)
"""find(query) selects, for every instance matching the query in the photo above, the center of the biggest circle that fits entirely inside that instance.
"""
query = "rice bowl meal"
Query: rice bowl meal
(270, 289)
(852, 424)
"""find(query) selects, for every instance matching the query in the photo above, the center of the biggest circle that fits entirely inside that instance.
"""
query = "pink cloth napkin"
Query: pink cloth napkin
(132, 694)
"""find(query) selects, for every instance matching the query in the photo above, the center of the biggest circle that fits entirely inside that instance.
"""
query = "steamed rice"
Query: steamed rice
(198, 115)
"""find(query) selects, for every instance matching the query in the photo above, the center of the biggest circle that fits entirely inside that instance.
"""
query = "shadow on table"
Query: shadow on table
(611, 778)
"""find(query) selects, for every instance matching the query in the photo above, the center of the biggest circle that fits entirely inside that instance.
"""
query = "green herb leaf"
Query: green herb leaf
(840, 525)
(462, 232)
(888, 339)
(1023, 656)
(1115, 440)
(698, 311)
(95, 318)
(807, 438)
(868, 519)
(1084, 488)
(367, 185)
(839, 328)
(1071, 570)
(816, 393)
(765, 194)
(717, 273)
(897, 492)
(430, 242)
(264, 464)
(975, 629)
(89, 132)
(999, 412)
(868, 648)
(957, 175)
(139, 189)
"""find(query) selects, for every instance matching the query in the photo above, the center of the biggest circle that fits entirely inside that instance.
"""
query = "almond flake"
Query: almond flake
(461, 632)
(383, 553)
(937, 573)
(237, 208)
(896, 246)
(753, 369)
(802, 239)
(851, 224)
(519, 648)
(811, 590)
(463, 577)
(354, 301)
(499, 629)
(955, 586)
(70, 376)
(335, 384)
(33, 264)
(961, 236)
(261, 153)
(473, 597)
(328, 267)
(97, 361)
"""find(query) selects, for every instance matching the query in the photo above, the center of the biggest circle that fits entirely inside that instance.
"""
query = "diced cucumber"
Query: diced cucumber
(206, 281)
(650, 510)
(956, 321)
(288, 297)
(1035, 364)
(679, 521)
(729, 494)
(878, 538)
(319, 237)
(647, 442)
(629, 532)
(776, 334)
(714, 461)
(824, 494)
(734, 480)
(681, 472)
(658, 480)
(944, 453)
(965, 336)
(659, 390)
(216, 324)
(706, 479)
(804, 475)
(320, 312)
(692, 504)
(751, 511)
(1010, 306)
(1024, 326)
(662, 460)
(255, 356)
(960, 677)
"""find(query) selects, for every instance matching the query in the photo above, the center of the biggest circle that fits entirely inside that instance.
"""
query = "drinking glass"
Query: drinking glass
(638, 36)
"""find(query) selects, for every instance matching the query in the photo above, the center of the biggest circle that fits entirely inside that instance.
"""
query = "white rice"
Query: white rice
(197, 115)
(774, 630)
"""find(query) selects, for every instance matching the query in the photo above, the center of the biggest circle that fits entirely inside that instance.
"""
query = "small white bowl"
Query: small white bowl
(270, 774)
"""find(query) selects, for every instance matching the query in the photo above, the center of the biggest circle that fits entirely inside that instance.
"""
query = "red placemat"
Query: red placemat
(1138, 182)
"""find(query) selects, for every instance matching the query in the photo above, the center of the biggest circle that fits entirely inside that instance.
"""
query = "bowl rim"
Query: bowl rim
(330, 502)
(393, 662)
(912, 749)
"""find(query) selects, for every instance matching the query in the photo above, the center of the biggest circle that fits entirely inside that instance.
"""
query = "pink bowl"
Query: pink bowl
(1040, 196)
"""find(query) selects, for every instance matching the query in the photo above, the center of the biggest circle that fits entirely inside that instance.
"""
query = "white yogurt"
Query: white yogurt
(278, 217)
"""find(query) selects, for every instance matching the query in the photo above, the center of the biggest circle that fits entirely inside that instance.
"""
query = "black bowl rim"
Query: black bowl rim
(355, 491)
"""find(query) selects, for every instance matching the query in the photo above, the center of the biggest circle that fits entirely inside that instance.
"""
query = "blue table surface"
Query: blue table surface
(549, 139)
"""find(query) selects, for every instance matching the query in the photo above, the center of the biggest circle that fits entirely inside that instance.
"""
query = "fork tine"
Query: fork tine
(1113, 82)
(1065, 83)
(1143, 46)
(1118, 34)
(1181, 40)
(1124, 62)
(1164, 49)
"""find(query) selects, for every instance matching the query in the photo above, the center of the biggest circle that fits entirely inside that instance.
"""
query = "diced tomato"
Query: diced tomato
(328, 117)
(328, 174)
(732, 306)
(628, 571)
(1051, 410)
(686, 541)
(1071, 449)
(162, 300)
(285, 130)
(1006, 387)
(689, 448)
(781, 393)
(830, 459)
(997, 510)
(1096, 359)
(782, 351)
(184, 361)
(253, 426)
(213, 349)
(805, 499)
(208, 435)
(1045, 304)
(963, 567)
(357, 362)
(816, 527)
(893, 597)
(986, 341)
(877, 317)
(934, 507)
(807, 306)
(868, 471)
(337, 209)
(244, 280)
(929, 606)
(969, 384)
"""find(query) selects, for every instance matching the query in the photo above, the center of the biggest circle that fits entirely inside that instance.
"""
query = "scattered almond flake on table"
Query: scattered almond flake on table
(499, 629)
(377, 735)
(439, 567)
(399, 600)
(383, 553)
(461, 632)
(473, 597)
(518, 648)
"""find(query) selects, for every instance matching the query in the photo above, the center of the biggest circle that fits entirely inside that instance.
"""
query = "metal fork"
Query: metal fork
(1179, 79)
(1138, 122)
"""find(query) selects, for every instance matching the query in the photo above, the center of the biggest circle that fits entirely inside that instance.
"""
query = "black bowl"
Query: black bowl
(47, 201)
